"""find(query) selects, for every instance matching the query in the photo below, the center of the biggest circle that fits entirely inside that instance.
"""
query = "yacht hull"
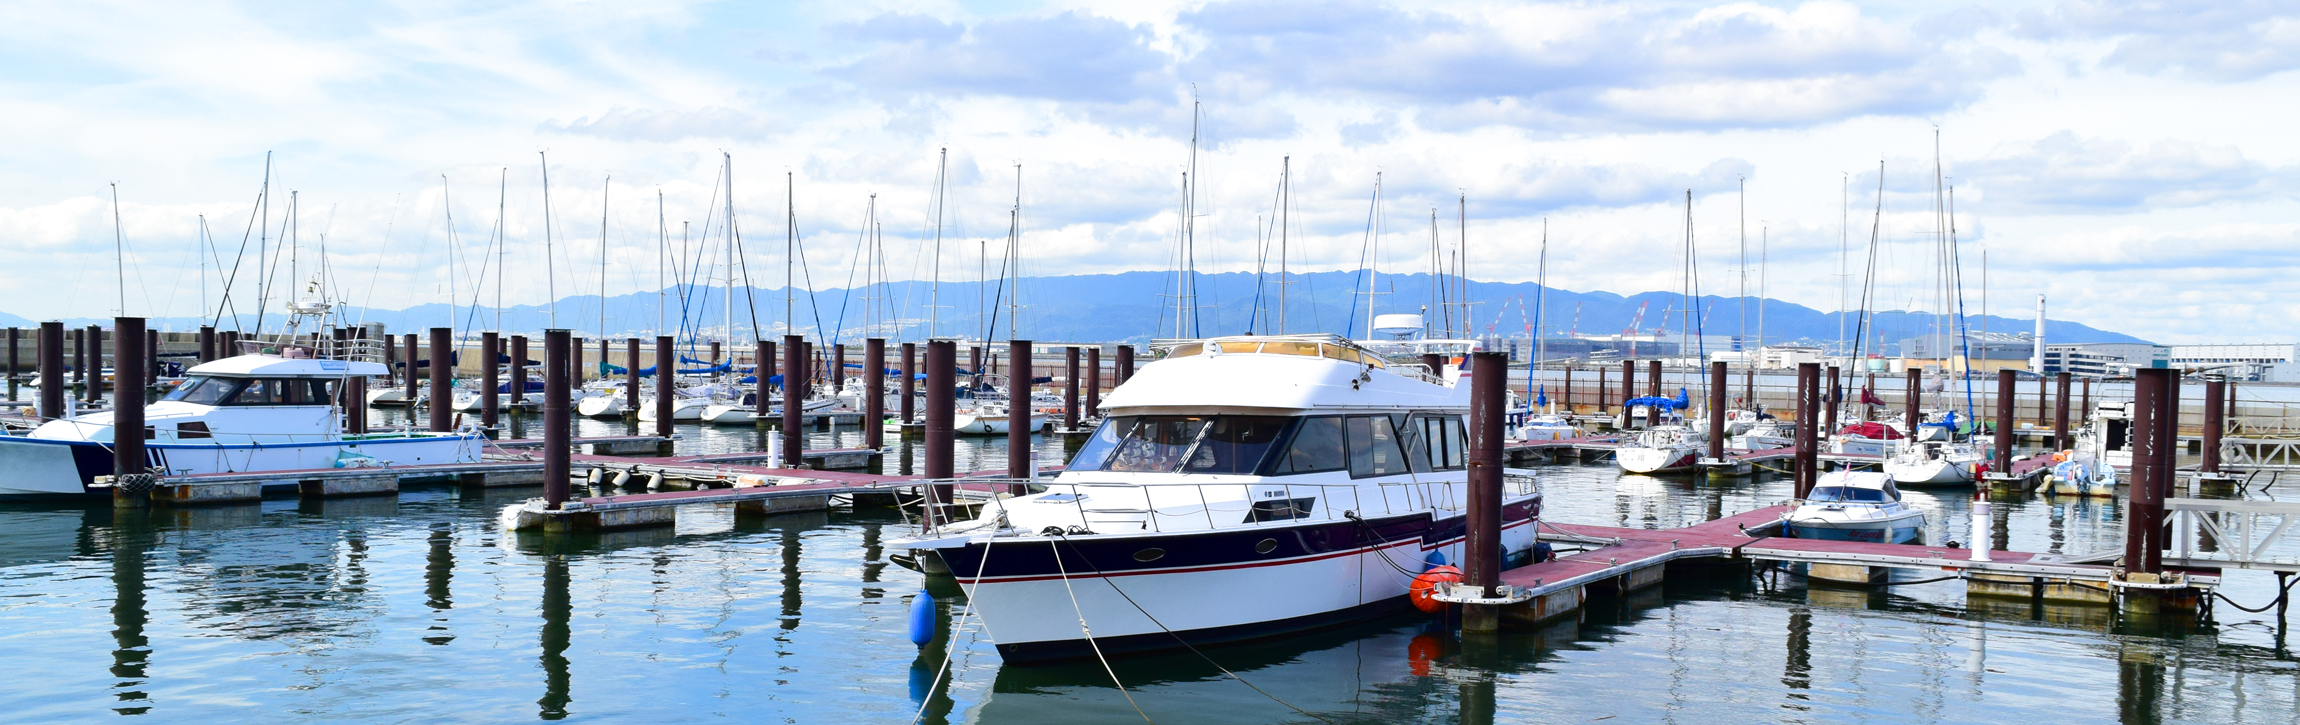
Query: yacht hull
(38, 467)
(602, 406)
(1198, 587)
(1656, 460)
(1934, 472)
(1901, 530)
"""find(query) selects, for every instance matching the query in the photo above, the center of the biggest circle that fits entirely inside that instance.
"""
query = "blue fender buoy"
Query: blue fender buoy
(922, 618)
(1434, 560)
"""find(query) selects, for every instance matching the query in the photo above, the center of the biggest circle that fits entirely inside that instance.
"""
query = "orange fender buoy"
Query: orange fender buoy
(1425, 584)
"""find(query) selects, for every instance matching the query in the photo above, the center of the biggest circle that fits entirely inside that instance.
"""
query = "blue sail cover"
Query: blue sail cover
(1541, 396)
(1678, 403)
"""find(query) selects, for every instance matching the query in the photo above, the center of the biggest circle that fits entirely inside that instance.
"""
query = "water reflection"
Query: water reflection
(131, 535)
(438, 574)
(558, 607)
(335, 612)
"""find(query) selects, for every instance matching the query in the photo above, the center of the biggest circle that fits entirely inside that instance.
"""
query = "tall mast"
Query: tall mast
(934, 297)
(550, 269)
(604, 186)
(1374, 254)
(1743, 231)
(662, 259)
(263, 248)
(119, 250)
(1285, 225)
(502, 187)
(1014, 260)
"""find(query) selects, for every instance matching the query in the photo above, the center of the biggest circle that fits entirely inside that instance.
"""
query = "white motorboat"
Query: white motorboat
(608, 403)
(1855, 506)
(1870, 438)
(263, 412)
(1546, 427)
(386, 396)
(1739, 421)
(1934, 464)
(990, 419)
(1241, 488)
(745, 411)
(682, 408)
(1765, 435)
(1661, 449)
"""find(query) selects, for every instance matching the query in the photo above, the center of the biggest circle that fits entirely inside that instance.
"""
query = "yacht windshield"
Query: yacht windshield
(204, 390)
(1846, 493)
(1188, 444)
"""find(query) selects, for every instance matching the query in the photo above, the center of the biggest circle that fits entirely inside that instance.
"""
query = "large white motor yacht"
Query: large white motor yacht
(1238, 488)
(259, 412)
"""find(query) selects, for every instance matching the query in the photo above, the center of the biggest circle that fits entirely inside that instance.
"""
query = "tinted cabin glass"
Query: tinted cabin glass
(1155, 444)
(204, 390)
(1454, 443)
(1417, 445)
(1317, 446)
(1373, 447)
(282, 391)
(1236, 444)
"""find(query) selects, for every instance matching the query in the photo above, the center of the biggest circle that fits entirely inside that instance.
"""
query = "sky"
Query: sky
(2130, 161)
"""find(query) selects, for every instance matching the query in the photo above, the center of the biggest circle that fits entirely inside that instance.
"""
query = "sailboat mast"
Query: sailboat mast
(604, 187)
(550, 268)
(1374, 255)
(502, 187)
(662, 259)
(934, 297)
(1014, 260)
(1285, 225)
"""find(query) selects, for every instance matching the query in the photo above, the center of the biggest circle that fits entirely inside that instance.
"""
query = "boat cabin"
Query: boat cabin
(228, 401)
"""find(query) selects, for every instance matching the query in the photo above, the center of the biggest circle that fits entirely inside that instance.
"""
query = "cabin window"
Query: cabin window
(1229, 347)
(1847, 493)
(1139, 444)
(205, 390)
(1309, 349)
(282, 391)
(1184, 350)
(2117, 432)
(1236, 444)
(192, 430)
(1281, 509)
(1317, 446)
(1441, 438)
(1373, 447)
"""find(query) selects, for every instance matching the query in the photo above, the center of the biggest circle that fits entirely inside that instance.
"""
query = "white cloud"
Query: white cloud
(2091, 144)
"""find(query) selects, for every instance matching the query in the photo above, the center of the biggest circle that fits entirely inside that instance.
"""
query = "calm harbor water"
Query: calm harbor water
(419, 609)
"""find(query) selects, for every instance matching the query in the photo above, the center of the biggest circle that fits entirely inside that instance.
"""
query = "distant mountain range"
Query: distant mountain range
(1138, 306)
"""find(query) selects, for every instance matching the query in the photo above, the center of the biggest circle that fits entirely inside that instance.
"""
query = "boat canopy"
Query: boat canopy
(272, 366)
(1872, 430)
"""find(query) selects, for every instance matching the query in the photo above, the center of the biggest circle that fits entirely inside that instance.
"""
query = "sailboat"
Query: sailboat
(1673, 445)
(1949, 460)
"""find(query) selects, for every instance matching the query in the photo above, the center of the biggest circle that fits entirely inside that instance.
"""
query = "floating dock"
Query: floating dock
(1620, 560)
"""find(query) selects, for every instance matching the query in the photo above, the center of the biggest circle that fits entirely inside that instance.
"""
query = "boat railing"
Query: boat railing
(1209, 506)
(356, 349)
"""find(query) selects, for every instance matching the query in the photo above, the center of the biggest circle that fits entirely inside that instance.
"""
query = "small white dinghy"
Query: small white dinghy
(1855, 506)
(2079, 474)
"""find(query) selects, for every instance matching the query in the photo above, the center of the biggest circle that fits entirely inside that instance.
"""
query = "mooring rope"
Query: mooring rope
(1169, 632)
(1089, 631)
(980, 570)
